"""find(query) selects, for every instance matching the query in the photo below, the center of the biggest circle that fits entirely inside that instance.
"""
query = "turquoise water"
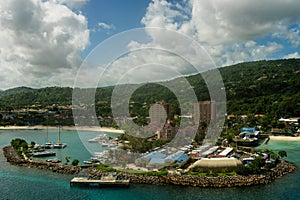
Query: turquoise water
(26, 183)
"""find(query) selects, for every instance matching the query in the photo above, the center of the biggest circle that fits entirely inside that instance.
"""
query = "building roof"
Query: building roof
(226, 151)
(154, 155)
(157, 157)
(179, 156)
(247, 129)
(217, 162)
(210, 151)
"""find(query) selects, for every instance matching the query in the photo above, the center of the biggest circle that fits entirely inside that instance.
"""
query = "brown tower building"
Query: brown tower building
(204, 111)
(158, 114)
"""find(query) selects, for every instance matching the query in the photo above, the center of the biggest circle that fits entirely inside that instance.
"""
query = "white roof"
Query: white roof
(210, 151)
(226, 151)
(217, 162)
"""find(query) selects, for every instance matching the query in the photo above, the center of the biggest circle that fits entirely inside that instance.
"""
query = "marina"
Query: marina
(30, 179)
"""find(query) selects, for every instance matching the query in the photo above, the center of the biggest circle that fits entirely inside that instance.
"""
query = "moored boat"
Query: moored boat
(43, 154)
(59, 145)
(99, 138)
(54, 160)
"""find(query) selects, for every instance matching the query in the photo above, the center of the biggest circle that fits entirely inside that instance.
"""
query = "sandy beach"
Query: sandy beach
(79, 128)
(285, 138)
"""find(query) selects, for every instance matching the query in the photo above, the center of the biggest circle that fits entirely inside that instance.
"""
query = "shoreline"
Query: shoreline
(12, 158)
(69, 128)
(268, 177)
(285, 138)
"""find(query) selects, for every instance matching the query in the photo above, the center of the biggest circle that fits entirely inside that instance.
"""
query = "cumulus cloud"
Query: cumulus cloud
(40, 42)
(292, 55)
(229, 29)
(71, 3)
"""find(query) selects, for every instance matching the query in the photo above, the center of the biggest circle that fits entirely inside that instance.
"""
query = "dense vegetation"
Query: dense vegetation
(262, 87)
(20, 146)
(141, 145)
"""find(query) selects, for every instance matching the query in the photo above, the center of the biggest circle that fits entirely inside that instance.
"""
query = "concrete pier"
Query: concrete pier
(109, 180)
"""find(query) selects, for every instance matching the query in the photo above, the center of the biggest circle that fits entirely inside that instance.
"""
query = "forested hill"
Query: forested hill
(262, 87)
(266, 87)
(14, 91)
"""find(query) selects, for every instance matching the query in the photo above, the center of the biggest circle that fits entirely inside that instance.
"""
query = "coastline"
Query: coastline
(284, 138)
(280, 170)
(12, 157)
(183, 180)
(69, 128)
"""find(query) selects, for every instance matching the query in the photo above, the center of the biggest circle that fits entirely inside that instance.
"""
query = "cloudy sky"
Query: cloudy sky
(44, 42)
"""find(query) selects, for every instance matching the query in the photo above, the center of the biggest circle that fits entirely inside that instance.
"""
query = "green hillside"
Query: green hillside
(14, 91)
(262, 87)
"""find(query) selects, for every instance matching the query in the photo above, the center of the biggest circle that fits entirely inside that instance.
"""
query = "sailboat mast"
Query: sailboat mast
(58, 134)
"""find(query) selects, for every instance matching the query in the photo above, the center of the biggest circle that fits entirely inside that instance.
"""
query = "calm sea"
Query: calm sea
(25, 183)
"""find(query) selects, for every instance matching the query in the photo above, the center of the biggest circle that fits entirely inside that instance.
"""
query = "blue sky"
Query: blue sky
(44, 42)
(121, 15)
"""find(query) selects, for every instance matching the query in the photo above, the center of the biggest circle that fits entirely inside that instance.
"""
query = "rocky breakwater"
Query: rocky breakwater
(13, 158)
(205, 181)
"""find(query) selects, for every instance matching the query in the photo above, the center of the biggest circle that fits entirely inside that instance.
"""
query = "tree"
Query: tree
(67, 159)
(282, 153)
(243, 170)
(75, 162)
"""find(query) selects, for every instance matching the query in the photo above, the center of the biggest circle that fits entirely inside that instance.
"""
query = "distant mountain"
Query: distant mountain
(262, 87)
(23, 96)
(14, 91)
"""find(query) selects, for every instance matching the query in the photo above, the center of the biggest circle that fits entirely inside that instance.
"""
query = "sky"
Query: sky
(49, 42)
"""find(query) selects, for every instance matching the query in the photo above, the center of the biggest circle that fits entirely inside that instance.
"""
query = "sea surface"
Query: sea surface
(26, 183)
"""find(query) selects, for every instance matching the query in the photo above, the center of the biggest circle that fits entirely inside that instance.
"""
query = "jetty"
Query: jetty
(107, 180)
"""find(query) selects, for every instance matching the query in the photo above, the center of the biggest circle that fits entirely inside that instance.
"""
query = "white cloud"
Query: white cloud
(105, 26)
(71, 3)
(228, 28)
(161, 13)
(292, 36)
(292, 55)
(40, 42)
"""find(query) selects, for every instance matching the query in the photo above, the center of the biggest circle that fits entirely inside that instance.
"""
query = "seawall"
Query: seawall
(13, 158)
(204, 181)
(280, 170)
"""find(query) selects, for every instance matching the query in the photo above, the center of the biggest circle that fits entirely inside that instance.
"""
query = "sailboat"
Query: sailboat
(48, 145)
(59, 145)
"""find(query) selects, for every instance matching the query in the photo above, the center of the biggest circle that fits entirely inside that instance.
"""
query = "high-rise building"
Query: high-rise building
(204, 111)
(160, 112)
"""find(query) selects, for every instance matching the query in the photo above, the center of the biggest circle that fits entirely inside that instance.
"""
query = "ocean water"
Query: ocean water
(25, 183)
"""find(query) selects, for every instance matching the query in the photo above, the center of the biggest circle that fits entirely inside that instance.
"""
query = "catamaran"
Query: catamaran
(59, 145)
(48, 145)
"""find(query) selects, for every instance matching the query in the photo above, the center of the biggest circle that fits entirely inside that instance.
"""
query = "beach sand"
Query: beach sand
(285, 138)
(79, 128)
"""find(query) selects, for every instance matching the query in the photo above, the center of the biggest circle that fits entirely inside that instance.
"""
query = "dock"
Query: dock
(109, 180)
